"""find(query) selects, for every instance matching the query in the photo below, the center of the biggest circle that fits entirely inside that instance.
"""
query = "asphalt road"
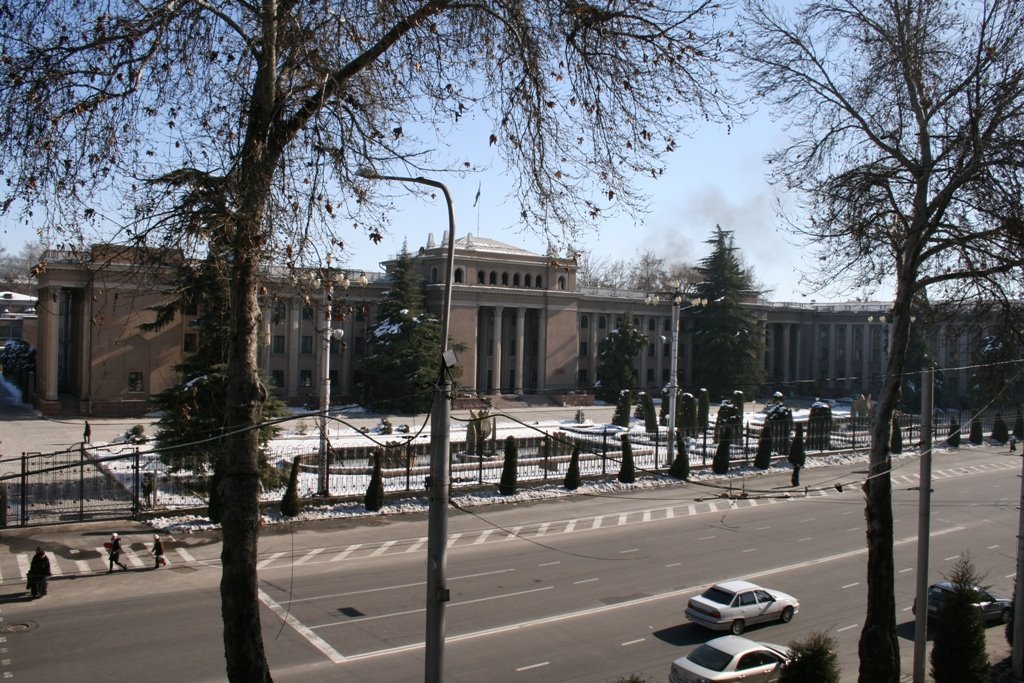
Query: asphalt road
(587, 589)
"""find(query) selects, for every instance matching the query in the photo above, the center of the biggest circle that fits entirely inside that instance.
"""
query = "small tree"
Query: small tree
(740, 401)
(728, 418)
(650, 415)
(812, 660)
(1000, 432)
(779, 419)
(763, 458)
(720, 463)
(373, 501)
(623, 409)
(680, 468)
(703, 410)
(896, 437)
(976, 435)
(954, 435)
(510, 468)
(958, 652)
(471, 435)
(627, 472)
(291, 504)
(572, 475)
(819, 426)
(686, 422)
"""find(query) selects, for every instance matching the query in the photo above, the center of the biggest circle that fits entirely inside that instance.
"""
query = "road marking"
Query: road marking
(597, 522)
(993, 547)
(513, 532)
(623, 517)
(809, 519)
(762, 528)
(951, 557)
(846, 628)
(647, 516)
(346, 552)
(548, 564)
(691, 509)
(185, 555)
(850, 585)
(452, 539)
(674, 564)
(631, 550)
(542, 529)
(705, 538)
(23, 565)
(264, 563)
(570, 526)
(303, 630)
(387, 544)
(82, 566)
(670, 513)
(712, 507)
(310, 555)
(908, 569)
(576, 583)
(750, 550)
(55, 567)
(633, 642)
(854, 528)
(420, 542)
(805, 538)
(533, 666)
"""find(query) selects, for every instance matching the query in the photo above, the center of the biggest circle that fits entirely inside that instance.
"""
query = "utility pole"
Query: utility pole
(924, 511)
(1017, 655)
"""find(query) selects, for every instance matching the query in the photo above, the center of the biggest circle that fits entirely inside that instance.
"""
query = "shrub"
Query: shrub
(953, 440)
(509, 469)
(572, 475)
(622, 409)
(627, 472)
(812, 660)
(779, 419)
(896, 438)
(975, 436)
(373, 501)
(958, 650)
(763, 458)
(650, 415)
(720, 463)
(291, 504)
(819, 427)
(1000, 432)
(703, 410)
(680, 468)
(687, 418)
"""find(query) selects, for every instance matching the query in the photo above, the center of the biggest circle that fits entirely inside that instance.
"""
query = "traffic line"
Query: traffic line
(310, 555)
(263, 563)
(303, 630)
(346, 552)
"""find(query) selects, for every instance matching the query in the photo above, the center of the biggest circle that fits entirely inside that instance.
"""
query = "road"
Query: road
(582, 589)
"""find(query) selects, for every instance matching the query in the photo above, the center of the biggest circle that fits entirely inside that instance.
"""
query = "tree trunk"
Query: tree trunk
(879, 645)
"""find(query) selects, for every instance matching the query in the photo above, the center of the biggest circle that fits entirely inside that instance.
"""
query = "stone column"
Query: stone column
(520, 342)
(293, 342)
(496, 358)
(787, 331)
(48, 308)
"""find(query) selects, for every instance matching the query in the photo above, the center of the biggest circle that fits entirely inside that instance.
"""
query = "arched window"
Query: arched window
(481, 277)
(652, 325)
(561, 282)
(433, 275)
(494, 278)
(458, 274)
(538, 283)
(504, 279)
(585, 322)
(515, 280)
(527, 280)
(602, 323)
(668, 325)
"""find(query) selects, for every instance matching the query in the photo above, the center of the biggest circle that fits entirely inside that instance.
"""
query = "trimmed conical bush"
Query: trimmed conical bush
(627, 471)
(291, 504)
(680, 468)
(510, 468)
(572, 475)
(373, 501)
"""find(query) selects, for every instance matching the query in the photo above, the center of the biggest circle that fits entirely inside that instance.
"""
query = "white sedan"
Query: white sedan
(733, 605)
(730, 658)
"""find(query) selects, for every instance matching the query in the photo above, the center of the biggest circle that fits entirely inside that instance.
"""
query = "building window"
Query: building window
(515, 280)
(307, 344)
(584, 322)
(494, 278)
(336, 345)
(650, 375)
(584, 347)
(190, 308)
(664, 376)
(433, 275)
(190, 343)
(561, 282)
(602, 323)
(481, 277)
(538, 284)
(280, 312)
(277, 378)
(504, 279)
(278, 344)
(305, 378)
(583, 378)
(652, 325)
(307, 312)
(135, 383)
(650, 351)
(458, 275)
(527, 280)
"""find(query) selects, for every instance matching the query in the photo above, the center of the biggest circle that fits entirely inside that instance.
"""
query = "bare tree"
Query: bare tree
(907, 122)
(237, 128)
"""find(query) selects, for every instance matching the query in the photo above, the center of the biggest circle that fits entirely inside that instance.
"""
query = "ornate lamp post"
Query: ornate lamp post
(440, 472)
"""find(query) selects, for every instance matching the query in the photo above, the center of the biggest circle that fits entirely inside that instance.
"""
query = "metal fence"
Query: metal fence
(113, 482)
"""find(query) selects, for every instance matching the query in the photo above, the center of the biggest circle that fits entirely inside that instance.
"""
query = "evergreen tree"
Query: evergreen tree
(812, 660)
(999, 351)
(958, 651)
(623, 409)
(728, 340)
(509, 468)
(954, 435)
(703, 410)
(627, 471)
(291, 503)
(616, 363)
(896, 437)
(1000, 432)
(1018, 425)
(572, 475)
(404, 347)
(779, 421)
(720, 463)
(763, 458)
(686, 421)
(650, 415)
(976, 436)
(819, 427)
(373, 501)
(680, 468)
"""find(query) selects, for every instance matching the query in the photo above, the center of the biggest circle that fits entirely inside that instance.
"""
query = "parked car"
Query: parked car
(991, 607)
(733, 605)
(730, 658)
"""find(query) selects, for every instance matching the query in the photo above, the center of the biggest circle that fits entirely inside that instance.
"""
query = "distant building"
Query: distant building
(17, 317)
(525, 325)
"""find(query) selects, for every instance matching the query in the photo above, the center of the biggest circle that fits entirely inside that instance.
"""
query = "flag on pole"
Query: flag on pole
(477, 198)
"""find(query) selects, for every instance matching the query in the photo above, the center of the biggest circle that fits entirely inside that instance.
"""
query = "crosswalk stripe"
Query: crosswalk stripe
(384, 547)
(55, 569)
(310, 555)
(483, 536)
(23, 565)
(185, 555)
(416, 546)
(264, 563)
(82, 566)
(346, 552)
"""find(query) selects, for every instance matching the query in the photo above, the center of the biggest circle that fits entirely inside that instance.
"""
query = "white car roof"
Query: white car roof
(737, 586)
(734, 645)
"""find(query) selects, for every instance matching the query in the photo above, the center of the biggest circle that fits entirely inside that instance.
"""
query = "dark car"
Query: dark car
(991, 607)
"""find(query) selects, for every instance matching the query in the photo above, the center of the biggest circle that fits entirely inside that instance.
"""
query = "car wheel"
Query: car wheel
(1005, 616)
(787, 615)
(737, 627)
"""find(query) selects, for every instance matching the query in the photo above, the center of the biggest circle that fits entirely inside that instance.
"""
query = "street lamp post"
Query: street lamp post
(440, 474)
(324, 455)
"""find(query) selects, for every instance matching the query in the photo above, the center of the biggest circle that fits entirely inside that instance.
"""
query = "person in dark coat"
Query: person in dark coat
(38, 573)
(115, 553)
(87, 432)
(158, 551)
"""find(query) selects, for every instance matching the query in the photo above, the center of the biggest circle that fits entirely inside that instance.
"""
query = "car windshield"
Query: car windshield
(716, 594)
(710, 658)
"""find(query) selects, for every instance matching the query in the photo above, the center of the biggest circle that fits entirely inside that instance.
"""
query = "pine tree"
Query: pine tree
(958, 650)
(703, 410)
(687, 419)
(627, 471)
(680, 468)
(572, 475)
(291, 503)
(896, 437)
(623, 409)
(953, 440)
(819, 427)
(763, 458)
(509, 468)
(402, 349)
(812, 660)
(976, 437)
(373, 501)
(616, 363)
(1000, 432)
(650, 415)
(720, 463)
(728, 339)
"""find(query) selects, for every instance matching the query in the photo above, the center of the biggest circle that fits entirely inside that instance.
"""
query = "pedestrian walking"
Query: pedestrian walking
(158, 551)
(1013, 443)
(38, 574)
(114, 548)
(87, 432)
